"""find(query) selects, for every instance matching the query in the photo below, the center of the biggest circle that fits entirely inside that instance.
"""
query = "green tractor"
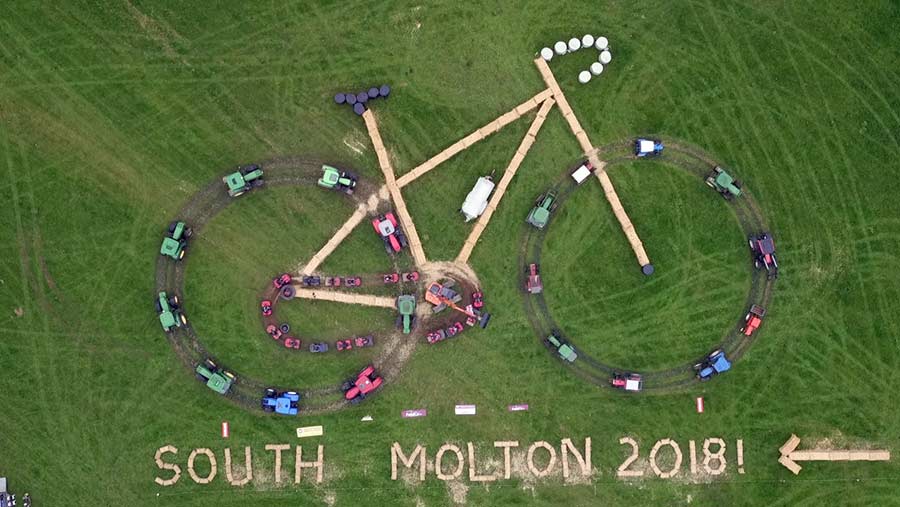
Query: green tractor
(540, 213)
(406, 305)
(244, 179)
(335, 179)
(174, 242)
(169, 311)
(723, 183)
(215, 378)
(563, 348)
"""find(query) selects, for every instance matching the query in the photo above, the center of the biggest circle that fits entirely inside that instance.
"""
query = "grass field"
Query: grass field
(112, 116)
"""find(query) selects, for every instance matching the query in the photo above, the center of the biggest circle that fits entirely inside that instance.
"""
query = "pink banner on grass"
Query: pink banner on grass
(418, 412)
(521, 407)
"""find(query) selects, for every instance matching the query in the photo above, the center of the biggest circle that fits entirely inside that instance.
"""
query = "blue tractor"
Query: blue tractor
(281, 403)
(714, 364)
(647, 147)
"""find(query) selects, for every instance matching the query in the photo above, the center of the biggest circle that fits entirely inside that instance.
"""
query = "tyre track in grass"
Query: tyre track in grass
(188, 346)
(696, 162)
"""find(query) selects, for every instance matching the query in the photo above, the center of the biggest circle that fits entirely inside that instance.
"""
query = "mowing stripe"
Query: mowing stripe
(511, 169)
(478, 135)
(415, 244)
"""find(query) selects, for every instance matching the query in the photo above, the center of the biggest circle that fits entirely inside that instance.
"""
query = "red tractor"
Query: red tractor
(364, 341)
(436, 336)
(387, 228)
(762, 248)
(753, 319)
(365, 383)
(533, 279)
(266, 307)
(274, 332)
(282, 280)
(477, 299)
(455, 329)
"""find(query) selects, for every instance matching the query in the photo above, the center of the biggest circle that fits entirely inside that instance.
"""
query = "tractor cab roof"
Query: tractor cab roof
(406, 304)
(766, 244)
(171, 247)
(235, 180)
(330, 175)
(385, 227)
(540, 215)
(218, 382)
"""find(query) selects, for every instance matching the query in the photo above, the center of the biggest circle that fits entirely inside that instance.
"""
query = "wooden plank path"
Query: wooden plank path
(415, 244)
(346, 297)
(511, 169)
(608, 189)
(335, 240)
(478, 135)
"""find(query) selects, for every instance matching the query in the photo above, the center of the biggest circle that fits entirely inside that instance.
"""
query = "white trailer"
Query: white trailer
(583, 171)
(477, 200)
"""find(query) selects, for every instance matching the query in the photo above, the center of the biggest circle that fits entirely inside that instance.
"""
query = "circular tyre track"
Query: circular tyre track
(751, 221)
(202, 207)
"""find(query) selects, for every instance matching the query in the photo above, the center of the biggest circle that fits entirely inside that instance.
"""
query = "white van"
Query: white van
(477, 200)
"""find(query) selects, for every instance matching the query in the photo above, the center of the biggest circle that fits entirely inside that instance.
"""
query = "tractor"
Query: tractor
(563, 348)
(627, 381)
(284, 403)
(364, 341)
(647, 147)
(363, 384)
(533, 284)
(319, 347)
(540, 213)
(389, 230)
(762, 248)
(723, 183)
(174, 242)
(712, 365)
(335, 179)
(169, 311)
(753, 319)
(406, 305)
(215, 378)
(282, 280)
(442, 296)
(244, 179)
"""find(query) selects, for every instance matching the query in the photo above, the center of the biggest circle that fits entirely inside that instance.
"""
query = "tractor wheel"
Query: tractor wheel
(737, 183)
(287, 292)
(346, 386)
(188, 232)
(173, 300)
(172, 227)
(709, 183)
(201, 378)
(756, 264)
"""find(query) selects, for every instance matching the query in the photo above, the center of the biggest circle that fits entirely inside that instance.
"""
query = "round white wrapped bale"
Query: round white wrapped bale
(587, 41)
(584, 76)
(605, 57)
(574, 44)
(560, 48)
(547, 54)
(596, 68)
(601, 43)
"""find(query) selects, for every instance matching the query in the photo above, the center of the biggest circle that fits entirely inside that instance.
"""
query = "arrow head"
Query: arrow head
(790, 464)
(790, 445)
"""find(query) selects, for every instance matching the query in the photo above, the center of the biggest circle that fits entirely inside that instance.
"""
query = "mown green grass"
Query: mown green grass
(113, 116)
